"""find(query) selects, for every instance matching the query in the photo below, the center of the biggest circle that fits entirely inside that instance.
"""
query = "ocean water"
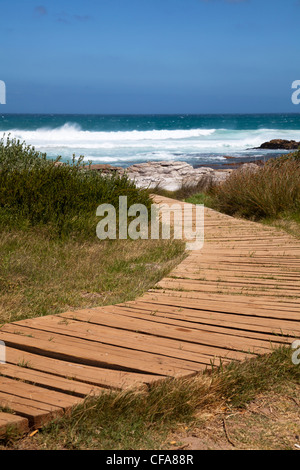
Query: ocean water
(123, 140)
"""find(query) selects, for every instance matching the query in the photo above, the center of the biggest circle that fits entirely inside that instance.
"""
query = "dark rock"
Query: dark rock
(105, 168)
(280, 144)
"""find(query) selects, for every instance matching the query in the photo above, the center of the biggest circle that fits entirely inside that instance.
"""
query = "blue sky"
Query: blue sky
(149, 56)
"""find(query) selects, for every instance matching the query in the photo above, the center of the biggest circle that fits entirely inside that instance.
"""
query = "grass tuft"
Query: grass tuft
(269, 191)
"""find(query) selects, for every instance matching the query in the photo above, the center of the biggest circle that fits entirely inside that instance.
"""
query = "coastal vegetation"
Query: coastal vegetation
(272, 190)
(270, 193)
(51, 259)
(62, 198)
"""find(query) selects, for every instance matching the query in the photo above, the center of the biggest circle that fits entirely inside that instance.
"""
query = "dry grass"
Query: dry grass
(269, 191)
(41, 276)
(270, 422)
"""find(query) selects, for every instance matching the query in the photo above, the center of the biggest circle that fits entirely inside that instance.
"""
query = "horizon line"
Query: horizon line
(151, 114)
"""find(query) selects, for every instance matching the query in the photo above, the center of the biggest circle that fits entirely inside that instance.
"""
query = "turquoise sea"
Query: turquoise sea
(122, 140)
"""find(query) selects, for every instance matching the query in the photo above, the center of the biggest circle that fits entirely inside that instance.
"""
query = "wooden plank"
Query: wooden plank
(214, 274)
(259, 302)
(84, 352)
(106, 378)
(236, 313)
(48, 381)
(246, 262)
(198, 327)
(233, 296)
(194, 284)
(236, 267)
(38, 394)
(122, 331)
(12, 423)
(238, 279)
(37, 414)
(250, 259)
(226, 303)
(185, 285)
(195, 316)
(181, 348)
(208, 338)
(34, 403)
(222, 304)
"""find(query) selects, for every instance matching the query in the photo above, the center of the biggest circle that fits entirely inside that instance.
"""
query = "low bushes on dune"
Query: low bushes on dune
(37, 191)
(268, 191)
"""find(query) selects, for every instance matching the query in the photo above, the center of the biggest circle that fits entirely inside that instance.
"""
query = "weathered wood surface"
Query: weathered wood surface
(237, 297)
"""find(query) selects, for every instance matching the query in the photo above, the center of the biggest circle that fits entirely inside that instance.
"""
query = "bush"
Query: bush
(36, 191)
(279, 162)
(15, 154)
(268, 191)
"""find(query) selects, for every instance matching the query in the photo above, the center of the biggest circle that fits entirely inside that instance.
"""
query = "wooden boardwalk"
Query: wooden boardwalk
(237, 297)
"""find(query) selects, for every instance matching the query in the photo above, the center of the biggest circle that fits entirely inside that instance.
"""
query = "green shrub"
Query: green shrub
(278, 162)
(268, 191)
(16, 154)
(36, 191)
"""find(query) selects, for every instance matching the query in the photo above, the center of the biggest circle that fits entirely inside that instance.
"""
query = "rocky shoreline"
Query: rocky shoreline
(172, 175)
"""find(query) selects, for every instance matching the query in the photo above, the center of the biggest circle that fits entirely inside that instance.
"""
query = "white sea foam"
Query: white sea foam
(72, 134)
(135, 145)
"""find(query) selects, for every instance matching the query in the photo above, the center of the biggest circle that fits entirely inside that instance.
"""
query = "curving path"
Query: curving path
(237, 297)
